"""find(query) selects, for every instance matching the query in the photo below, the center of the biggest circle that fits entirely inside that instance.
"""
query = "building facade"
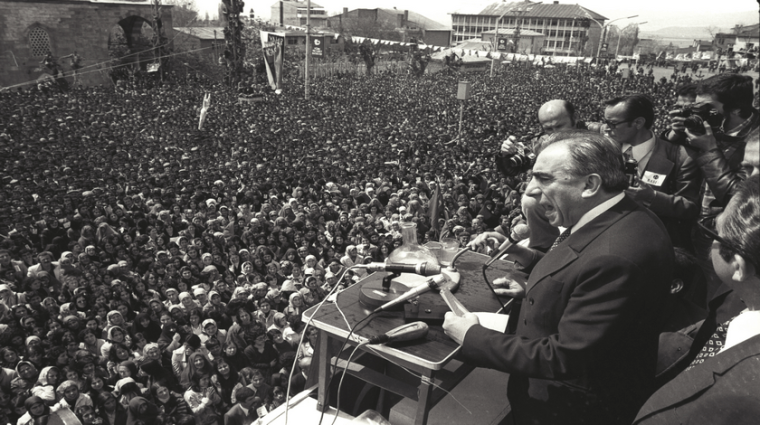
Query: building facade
(568, 29)
(29, 29)
(390, 24)
(293, 12)
(527, 41)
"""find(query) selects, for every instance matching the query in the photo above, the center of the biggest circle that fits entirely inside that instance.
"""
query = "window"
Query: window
(39, 41)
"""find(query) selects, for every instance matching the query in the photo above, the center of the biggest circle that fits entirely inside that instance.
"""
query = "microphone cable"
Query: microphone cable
(303, 335)
(335, 364)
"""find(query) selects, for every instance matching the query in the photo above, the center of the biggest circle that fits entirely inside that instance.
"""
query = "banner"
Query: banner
(273, 49)
(317, 46)
(502, 45)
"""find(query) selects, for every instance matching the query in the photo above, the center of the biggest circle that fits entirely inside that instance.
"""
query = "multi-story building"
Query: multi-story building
(293, 12)
(568, 29)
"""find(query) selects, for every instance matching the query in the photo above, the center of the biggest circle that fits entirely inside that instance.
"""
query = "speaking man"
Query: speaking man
(585, 342)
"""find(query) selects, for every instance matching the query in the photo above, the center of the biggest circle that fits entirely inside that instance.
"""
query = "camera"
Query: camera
(520, 162)
(696, 116)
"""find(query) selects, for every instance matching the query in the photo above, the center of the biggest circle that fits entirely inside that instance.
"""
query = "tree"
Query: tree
(737, 28)
(184, 12)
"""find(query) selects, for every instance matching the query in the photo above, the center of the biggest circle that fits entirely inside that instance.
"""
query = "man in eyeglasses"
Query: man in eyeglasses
(667, 179)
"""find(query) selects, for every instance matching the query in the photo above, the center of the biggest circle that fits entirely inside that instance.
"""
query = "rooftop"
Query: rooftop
(203, 33)
(423, 21)
(533, 10)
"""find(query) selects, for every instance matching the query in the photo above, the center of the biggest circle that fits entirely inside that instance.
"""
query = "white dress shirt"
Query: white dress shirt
(641, 153)
(597, 211)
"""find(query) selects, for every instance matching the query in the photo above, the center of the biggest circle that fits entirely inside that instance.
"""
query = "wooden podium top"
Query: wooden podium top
(437, 348)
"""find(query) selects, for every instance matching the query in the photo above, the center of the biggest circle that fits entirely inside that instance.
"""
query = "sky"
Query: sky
(656, 13)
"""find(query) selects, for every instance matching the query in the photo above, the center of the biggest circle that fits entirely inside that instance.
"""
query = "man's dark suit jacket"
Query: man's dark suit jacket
(677, 180)
(585, 346)
(236, 416)
(725, 389)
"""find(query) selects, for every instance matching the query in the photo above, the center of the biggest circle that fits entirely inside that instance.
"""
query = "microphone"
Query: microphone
(405, 332)
(433, 282)
(521, 231)
(424, 268)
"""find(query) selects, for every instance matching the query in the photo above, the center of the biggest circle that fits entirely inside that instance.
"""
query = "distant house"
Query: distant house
(207, 41)
(293, 12)
(745, 40)
(390, 24)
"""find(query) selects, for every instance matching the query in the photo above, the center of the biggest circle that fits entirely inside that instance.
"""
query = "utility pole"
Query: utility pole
(158, 37)
(308, 50)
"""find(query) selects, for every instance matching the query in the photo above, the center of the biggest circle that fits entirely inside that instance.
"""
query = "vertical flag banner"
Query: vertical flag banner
(273, 46)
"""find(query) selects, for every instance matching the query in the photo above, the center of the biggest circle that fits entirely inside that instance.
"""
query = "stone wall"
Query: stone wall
(72, 25)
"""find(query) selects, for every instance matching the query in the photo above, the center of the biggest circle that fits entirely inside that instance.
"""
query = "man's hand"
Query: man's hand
(677, 129)
(508, 287)
(704, 142)
(509, 146)
(480, 243)
(456, 327)
(641, 193)
(676, 121)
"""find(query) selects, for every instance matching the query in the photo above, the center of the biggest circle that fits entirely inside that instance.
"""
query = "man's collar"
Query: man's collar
(734, 132)
(597, 211)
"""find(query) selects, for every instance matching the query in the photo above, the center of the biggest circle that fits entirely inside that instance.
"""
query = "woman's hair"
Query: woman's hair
(740, 223)
(112, 351)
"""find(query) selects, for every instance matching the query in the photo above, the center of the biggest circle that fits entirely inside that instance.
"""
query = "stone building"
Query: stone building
(29, 29)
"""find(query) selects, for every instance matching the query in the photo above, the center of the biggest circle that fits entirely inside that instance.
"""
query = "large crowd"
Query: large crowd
(153, 270)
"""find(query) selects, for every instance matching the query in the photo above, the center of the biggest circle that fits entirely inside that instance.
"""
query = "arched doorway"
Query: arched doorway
(131, 42)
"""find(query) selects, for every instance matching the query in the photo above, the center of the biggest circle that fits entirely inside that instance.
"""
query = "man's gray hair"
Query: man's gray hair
(593, 153)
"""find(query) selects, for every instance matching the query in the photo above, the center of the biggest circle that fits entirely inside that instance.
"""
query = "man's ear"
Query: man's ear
(676, 286)
(592, 185)
(742, 269)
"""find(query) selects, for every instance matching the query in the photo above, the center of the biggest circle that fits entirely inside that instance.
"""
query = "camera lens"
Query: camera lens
(694, 124)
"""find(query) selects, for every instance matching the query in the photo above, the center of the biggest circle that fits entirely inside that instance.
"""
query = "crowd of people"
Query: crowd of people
(154, 270)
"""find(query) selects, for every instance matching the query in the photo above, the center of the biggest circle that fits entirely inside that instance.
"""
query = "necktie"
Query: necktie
(562, 236)
(628, 154)
(713, 345)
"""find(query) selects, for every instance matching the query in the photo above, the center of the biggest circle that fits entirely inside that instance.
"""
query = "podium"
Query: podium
(425, 358)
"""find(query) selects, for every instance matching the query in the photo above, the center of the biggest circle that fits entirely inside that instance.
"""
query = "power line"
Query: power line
(110, 67)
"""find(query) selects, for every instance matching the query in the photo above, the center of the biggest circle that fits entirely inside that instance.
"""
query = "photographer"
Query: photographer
(718, 148)
(685, 96)
(666, 179)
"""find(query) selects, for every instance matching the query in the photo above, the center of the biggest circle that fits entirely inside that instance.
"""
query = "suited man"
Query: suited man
(584, 347)
(669, 179)
(722, 386)
(244, 412)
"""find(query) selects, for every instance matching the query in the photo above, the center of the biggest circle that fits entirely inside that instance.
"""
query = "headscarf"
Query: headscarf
(111, 330)
(44, 389)
(61, 390)
(110, 316)
(134, 416)
(7, 296)
(31, 401)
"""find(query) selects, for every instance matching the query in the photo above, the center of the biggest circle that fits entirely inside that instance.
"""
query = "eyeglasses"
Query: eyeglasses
(613, 125)
(707, 226)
